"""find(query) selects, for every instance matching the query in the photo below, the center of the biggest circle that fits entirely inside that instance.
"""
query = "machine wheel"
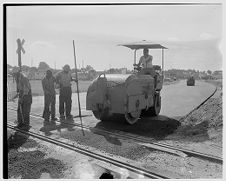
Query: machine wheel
(132, 117)
(155, 110)
(101, 114)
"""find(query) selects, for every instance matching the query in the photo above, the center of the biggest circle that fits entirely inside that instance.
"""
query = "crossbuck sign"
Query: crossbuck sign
(19, 49)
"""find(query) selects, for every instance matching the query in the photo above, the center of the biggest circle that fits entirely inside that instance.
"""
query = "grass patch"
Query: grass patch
(36, 87)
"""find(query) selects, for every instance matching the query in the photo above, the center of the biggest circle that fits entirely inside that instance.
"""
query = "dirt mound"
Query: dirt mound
(206, 119)
(210, 112)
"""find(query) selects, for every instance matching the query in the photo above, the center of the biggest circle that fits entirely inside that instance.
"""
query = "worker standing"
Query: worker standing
(24, 100)
(48, 85)
(64, 79)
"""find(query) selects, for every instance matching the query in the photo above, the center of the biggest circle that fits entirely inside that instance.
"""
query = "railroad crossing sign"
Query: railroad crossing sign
(19, 49)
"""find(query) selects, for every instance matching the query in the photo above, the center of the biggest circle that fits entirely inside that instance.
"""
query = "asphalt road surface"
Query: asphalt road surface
(179, 99)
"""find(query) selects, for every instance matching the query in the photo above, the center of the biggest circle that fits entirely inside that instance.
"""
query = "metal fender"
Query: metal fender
(96, 93)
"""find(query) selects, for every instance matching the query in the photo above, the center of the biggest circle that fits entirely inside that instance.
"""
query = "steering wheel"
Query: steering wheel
(136, 67)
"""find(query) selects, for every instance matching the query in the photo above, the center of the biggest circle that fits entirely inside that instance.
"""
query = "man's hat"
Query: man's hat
(15, 70)
(66, 67)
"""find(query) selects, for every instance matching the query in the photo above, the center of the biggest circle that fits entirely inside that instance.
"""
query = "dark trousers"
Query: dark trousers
(49, 102)
(65, 101)
(23, 110)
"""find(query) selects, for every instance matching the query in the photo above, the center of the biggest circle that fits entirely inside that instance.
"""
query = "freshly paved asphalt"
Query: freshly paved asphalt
(179, 99)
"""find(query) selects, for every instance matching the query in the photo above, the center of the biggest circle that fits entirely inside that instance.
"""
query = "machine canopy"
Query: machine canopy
(143, 44)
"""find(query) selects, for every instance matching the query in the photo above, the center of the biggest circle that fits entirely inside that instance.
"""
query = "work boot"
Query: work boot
(62, 117)
(54, 119)
(69, 116)
(46, 122)
(26, 127)
(20, 125)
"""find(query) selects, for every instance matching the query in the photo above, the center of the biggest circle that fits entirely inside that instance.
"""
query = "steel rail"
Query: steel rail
(97, 156)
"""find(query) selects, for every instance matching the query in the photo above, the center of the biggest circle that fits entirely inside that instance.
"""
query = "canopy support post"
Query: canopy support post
(135, 55)
(162, 64)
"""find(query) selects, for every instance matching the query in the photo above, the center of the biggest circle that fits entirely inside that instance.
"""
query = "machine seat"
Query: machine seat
(148, 71)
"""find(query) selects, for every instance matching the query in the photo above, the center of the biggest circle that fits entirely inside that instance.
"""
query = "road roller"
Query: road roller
(132, 95)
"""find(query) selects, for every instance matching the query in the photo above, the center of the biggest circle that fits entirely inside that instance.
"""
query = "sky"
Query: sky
(192, 34)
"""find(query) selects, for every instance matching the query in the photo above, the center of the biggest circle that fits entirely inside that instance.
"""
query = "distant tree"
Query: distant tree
(43, 66)
(92, 74)
(9, 66)
(88, 68)
(209, 72)
(25, 68)
(33, 69)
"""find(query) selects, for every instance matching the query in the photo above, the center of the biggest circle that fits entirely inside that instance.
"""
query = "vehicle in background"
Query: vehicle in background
(191, 81)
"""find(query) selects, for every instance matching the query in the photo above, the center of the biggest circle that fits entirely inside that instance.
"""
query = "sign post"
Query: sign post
(19, 49)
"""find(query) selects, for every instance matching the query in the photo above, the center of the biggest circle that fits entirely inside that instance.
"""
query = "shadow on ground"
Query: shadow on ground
(16, 140)
(32, 164)
(51, 126)
(192, 133)
(26, 164)
(154, 127)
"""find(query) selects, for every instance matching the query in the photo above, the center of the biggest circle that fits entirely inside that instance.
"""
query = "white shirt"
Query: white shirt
(146, 62)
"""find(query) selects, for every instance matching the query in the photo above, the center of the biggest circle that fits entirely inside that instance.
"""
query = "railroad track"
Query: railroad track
(157, 146)
(121, 164)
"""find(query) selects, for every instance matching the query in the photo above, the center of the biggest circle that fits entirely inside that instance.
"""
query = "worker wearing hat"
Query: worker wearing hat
(64, 79)
(48, 85)
(24, 99)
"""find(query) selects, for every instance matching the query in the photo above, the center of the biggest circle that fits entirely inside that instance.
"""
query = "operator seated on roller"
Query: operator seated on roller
(146, 63)
(146, 59)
